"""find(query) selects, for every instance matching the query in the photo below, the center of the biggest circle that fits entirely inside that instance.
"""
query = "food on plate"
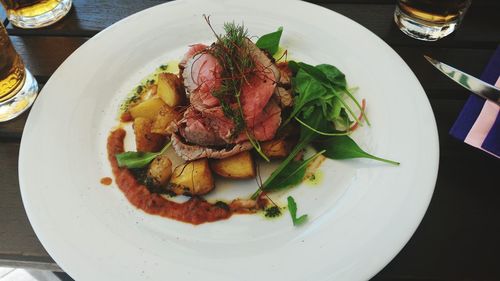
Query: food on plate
(147, 109)
(192, 178)
(277, 148)
(165, 117)
(160, 170)
(239, 166)
(231, 106)
(145, 139)
(170, 89)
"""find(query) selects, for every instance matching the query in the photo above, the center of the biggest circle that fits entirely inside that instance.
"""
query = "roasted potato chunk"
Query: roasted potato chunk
(145, 140)
(192, 178)
(160, 170)
(170, 89)
(147, 109)
(239, 166)
(166, 115)
(149, 92)
(279, 148)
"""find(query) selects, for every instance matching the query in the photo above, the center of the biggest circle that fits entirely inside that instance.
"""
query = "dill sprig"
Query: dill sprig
(237, 64)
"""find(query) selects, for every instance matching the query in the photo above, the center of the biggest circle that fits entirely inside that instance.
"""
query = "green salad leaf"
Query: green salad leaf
(134, 159)
(292, 208)
(333, 80)
(292, 174)
(306, 137)
(343, 147)
(324, 117)
(323, 85)
(271, 41)
(309, 90)
(333, 74)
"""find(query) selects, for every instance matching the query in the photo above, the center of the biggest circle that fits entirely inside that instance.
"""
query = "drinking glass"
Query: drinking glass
(18, 88)
(35, 13)
(430, 20)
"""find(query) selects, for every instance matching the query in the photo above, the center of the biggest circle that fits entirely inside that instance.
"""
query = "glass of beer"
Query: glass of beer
(18, 88)
(430, 20)
(35, 13)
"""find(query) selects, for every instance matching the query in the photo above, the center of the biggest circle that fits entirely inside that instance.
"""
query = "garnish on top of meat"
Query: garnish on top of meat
(230, 85)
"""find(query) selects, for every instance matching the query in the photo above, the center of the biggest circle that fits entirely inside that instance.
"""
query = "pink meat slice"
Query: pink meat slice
(206, 127)
(201, 76)
(261, 85)
(193, 50)
(211, 127)
(203, 100)
(255, 95)
(195, 128)
(267, 123)
(219, 123)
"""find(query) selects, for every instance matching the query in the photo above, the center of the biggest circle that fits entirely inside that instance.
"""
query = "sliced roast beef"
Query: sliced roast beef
(195, 128)
(267, 123)
(211, 128)
(283, 91)
(261, 58)
(192, 151)
(204, 125)
(220, 123)
(203, 100)
(255, 94)
(202, 75)
(193, 50)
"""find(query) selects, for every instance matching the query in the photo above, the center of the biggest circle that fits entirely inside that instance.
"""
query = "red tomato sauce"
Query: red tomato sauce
(126, 117)
(195, 210)
(106, 181)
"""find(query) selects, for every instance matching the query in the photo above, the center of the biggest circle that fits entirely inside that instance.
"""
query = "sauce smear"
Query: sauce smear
(106, 181)
(195, 210)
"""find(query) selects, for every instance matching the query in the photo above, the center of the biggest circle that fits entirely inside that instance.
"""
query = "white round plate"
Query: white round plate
(360, 215)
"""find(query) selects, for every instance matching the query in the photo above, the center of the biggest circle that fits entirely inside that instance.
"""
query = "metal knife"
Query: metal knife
(467, 81)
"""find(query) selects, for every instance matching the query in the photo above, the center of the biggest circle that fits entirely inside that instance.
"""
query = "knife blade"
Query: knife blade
(468, 81)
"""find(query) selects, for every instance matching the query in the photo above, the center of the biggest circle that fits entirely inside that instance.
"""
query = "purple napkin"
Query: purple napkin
(479, 121)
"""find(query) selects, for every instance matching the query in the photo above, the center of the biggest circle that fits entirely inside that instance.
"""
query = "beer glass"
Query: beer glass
(18, 88)
(35, 13)
(429, 20)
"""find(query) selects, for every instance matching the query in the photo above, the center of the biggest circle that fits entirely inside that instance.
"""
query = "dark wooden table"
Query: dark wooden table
(459, 237)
